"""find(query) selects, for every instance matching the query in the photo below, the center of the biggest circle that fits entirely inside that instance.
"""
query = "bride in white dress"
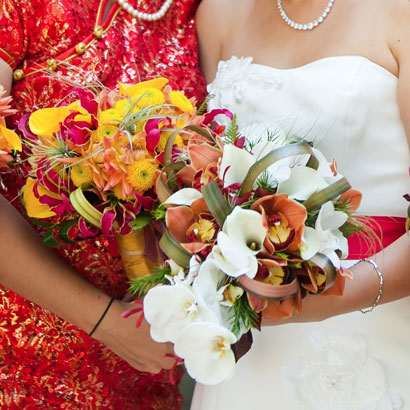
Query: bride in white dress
(345, 85)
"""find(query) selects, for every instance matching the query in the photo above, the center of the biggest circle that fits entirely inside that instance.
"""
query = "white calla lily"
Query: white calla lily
(183, 306)
(235, 164)
(184, 196)
(206, 350)
(239, 241)
(302, 183)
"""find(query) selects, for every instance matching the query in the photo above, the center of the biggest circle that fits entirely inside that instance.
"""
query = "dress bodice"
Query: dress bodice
(346, 105)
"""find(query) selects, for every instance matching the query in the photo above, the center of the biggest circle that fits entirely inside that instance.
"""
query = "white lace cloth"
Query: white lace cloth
(335, 372)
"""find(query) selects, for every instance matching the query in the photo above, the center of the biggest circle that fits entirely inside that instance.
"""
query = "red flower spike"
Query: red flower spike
(131, 312)
(178, 361)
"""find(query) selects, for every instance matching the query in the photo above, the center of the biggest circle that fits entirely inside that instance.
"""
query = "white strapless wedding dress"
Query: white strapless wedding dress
(348, 107)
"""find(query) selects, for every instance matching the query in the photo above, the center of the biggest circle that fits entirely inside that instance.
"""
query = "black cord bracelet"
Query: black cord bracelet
(101, 318)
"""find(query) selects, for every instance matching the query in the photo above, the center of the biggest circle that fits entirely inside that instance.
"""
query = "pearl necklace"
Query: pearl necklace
(146, 16)
(308, 26)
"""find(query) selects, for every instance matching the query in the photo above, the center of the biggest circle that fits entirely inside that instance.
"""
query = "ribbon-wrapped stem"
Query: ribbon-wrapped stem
(132, 250)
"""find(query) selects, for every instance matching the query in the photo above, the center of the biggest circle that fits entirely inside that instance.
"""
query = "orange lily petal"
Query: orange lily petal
(339, 286)
(178, 220)
(279, 310)
(203, 155)
(186, 175)
(257, 304)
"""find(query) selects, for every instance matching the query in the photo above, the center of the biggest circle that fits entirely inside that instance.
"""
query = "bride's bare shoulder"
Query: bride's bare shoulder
(215, 21)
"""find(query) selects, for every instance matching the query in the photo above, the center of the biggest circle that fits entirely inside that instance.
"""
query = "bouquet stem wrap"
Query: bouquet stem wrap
(132, 251)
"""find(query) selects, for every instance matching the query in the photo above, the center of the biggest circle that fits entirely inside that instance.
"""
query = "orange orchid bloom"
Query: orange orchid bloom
(284, 220)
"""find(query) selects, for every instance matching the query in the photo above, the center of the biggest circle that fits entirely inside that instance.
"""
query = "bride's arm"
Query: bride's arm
(361, 292)
(394, 261)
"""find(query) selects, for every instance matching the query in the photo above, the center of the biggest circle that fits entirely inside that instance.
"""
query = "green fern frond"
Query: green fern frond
(232, 133)
(204, 106)
(140, 286)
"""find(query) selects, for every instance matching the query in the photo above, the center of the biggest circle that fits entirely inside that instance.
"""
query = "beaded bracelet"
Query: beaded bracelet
(101, 318)
(381, 282)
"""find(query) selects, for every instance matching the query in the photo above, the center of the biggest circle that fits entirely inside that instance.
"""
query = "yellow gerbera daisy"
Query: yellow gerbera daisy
(125, 106)
(149, 96)
(180, 101)
(111, 116)
(141, 174)
(105, 131)
(164, 137)
(81, 175)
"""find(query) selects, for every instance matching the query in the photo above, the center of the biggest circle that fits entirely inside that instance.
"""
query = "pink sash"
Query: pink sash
(387, 230)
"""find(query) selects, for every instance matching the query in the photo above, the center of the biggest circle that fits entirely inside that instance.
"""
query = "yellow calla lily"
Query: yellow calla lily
(83, 117)
(76, 106)
(11, 137)
(179, 100)
(46, 122)
(34, 208)
(134, 90)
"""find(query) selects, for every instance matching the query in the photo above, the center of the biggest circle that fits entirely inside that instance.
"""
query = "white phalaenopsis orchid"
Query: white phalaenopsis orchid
(240, 240)
(207, 284)
(178, 274)
(326, 238)
(206, 350)
(183, 307)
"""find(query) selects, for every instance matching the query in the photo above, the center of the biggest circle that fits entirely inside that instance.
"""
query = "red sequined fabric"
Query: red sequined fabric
(46, 363)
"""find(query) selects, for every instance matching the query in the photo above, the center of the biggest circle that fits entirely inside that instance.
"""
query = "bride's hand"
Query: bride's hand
(131, 343)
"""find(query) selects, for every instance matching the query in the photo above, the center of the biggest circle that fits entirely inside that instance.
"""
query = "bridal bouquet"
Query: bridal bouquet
(250, 230)
(94, 163)
(247, 230)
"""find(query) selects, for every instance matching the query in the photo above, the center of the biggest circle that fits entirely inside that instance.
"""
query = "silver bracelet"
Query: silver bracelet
(381, 282)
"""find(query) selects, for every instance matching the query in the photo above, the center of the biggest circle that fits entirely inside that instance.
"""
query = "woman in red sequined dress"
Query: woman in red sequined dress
(47, 362)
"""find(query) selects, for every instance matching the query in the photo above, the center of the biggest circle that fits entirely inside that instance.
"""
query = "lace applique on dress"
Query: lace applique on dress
(336, 373)
(231, 75)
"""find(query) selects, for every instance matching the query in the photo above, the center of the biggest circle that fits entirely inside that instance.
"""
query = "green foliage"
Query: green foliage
(140, 286)
(203, 107)
(140, 222)
(265, 183)
(282, 255)
(350, 228)
(243, 316)
(232, 132)
(159, 212)
(311, 218)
